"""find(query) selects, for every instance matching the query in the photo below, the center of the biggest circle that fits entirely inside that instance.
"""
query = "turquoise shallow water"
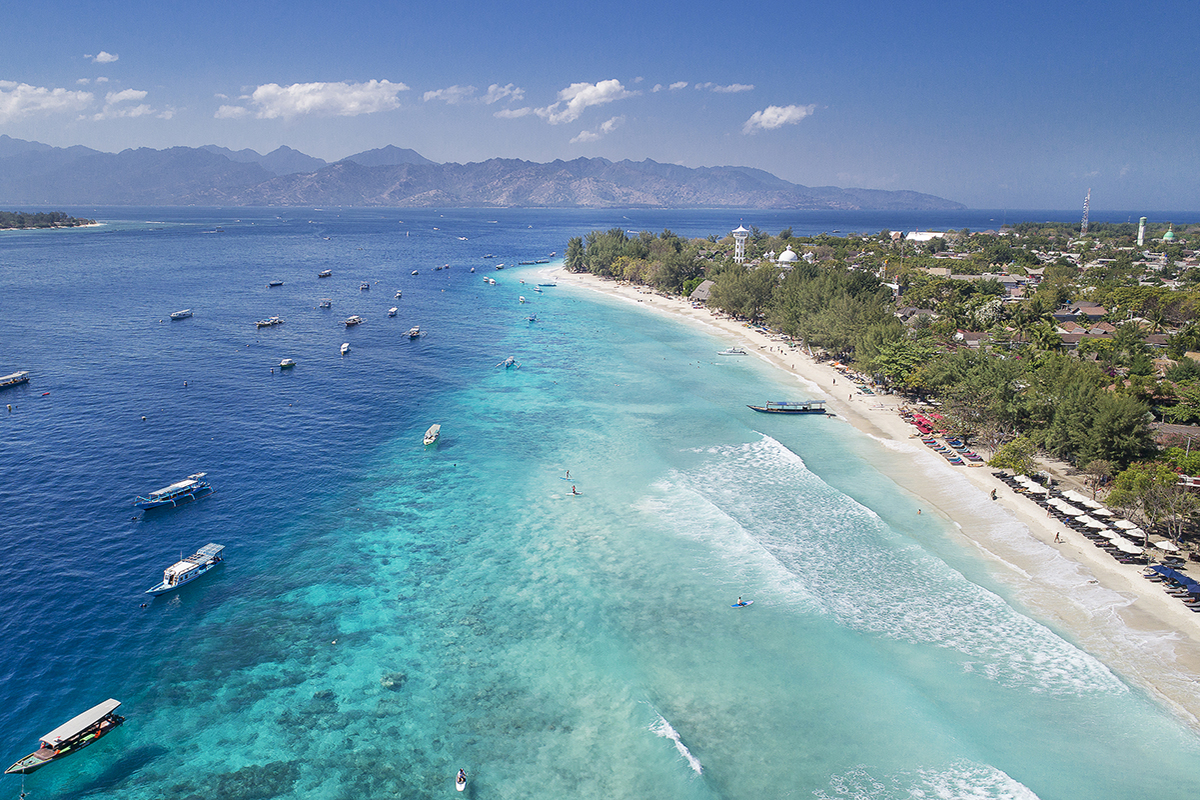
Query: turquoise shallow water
(388, 614)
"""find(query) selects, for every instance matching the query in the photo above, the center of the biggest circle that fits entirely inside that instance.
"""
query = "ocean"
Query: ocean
(388, 614)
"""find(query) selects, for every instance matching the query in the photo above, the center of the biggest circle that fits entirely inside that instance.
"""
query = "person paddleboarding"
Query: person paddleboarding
(460, 781)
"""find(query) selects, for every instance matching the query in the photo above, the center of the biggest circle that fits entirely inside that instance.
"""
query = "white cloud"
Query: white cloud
(773, 117)
(103, 58)
(124, 96)
(231, 112)
(677, 85)
(580, 96)
(83, 81)
(713, 87)
(101, 80)
(509, 92)
(513, 113)
(658, 87)
(115, 108)
(338, 99)
(605, 128)
(19, 100)
(453, 95)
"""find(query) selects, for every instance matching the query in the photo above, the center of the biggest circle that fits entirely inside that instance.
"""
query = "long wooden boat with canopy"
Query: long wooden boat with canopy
(71, 737)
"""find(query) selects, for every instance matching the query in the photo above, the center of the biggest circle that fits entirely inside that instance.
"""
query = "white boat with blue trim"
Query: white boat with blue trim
(188, 569)
(190, 488)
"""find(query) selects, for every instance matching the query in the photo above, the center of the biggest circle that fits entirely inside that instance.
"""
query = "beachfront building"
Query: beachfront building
(739, 244)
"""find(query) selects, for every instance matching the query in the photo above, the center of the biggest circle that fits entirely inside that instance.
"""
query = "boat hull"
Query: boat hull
(806, 410)
(163, 587)
(43, 756)
(187, 497)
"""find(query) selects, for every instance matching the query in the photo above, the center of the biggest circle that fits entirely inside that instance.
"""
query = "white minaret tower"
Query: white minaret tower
(739, 244)
(1142, 232)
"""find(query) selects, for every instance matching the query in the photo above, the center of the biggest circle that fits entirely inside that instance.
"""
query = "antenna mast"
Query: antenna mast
(1086, 202)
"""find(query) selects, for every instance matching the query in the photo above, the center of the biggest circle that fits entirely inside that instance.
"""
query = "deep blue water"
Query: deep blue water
(389, 613)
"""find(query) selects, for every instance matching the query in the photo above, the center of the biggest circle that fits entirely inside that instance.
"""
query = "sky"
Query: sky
(1016, 105)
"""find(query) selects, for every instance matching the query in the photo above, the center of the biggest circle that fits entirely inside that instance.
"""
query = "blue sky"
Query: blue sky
(1017, 105)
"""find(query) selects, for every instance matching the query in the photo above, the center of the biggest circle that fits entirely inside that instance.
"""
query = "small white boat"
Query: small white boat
(354, 320)
(325, 273)
(392, 311)
(189, 488)
(460, 780)
(733, 351)
(414, 331)
(509, 362)
(187, 312)
(269, 322)
(433, 434)
(326, 303)
(364, 286)
(287, 363)
(345, 348)
(399, 293)
(273, 284)
(537, 289)
(472, 269)
(188, 569)
(521, 298)
(414, 272)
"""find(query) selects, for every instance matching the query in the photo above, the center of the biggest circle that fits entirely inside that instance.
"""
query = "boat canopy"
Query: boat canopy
(200, 557)
(81, 723)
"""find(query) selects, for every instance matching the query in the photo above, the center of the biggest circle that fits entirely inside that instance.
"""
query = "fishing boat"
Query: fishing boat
(287, 363)
(325, 273)
(399, 293)
(345, 348)
(325, 303)
(547, 284)
(732, 351)
(188, 569)
(269, 322)
(489, 255)
(392, 311)
(792, 407)
(273, 284)
(187, 312)
(350, 322)
(414, 331)
(364, 287)
(190, 488)
(14, 379)
(433, 434)
(70, 737)
(537, 289)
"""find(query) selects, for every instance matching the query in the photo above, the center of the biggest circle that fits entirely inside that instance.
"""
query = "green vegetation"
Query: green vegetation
(42, 219)
(1035, 340)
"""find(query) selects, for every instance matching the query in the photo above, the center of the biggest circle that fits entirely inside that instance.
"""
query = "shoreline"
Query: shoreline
(1104, 607)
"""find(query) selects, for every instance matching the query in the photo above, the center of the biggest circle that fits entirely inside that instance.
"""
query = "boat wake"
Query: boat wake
(960, 779)
(662, 728)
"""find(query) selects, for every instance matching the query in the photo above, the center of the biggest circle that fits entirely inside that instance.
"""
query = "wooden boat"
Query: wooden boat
(189, 488)
(325, 303)
(354, 320)
(14, 379)
(70, 737)
(188, 569)
(792, 407)
(433, 434)
(414, 332)
(273, 284)
(184, 314)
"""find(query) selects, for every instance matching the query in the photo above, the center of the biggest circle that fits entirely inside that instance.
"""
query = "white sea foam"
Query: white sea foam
(962, 780)
(661, 727)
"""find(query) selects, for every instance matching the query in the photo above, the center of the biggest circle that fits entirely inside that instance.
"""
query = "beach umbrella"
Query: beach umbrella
(1124, 523)
(1038, 489)
(1168, 546)
(1074, 496)
(1101, 511)
(1110, 534)
(1126, 546)
(1072, 511)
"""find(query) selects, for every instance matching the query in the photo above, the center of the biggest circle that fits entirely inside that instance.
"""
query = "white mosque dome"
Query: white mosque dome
(788, 256)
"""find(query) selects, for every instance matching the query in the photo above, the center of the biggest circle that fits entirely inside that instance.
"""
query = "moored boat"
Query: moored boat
(521, 298)
(399, 293)
(189, 488)
(732, 351)
(71, 736)
(325, 303)
(364, 286)
(184, 314)
(345, 348)
(269, 322)
(14, 379)
(354, 320)
(188, 569)
(287, 363)
(414, 331)
(791, 407)
(273, 284)
(325, 273)
(392, 311)
(433, 434)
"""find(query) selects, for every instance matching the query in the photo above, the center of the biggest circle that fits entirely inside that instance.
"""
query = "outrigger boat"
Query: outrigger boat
(188, 489)
(188, 569)
(433, 434)
(269, 322)
(414, 332)
(187, 312)
(792, 407)
(350, 322)
(14, 379)
(71, 736)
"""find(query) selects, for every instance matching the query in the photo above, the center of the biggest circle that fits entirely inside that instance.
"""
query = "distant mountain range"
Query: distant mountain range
(35, 174)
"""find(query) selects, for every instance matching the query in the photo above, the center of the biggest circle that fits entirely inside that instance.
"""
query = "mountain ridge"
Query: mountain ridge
(37, 174)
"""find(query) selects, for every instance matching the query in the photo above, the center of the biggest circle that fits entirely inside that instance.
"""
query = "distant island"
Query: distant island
(48, 219)
(32, 173)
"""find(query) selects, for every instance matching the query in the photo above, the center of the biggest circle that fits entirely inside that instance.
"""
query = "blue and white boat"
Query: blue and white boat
(188, 569)
(14, 379)
(190, 488)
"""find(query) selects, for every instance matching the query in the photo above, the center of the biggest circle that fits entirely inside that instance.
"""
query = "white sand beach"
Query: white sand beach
(1149, 638)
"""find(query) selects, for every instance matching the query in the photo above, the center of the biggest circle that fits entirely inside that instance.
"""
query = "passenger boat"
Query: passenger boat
(345, 348)
(325, 273)
(354, 320)
(392, 311)
(732, 351)
(414, 331)
(14, 379)
(433, 434)
(287, 363)
(189, 488)
(187, 312)
(547, 284)
(269, 321)
(71, 737)
(792, 407)
(274, 283)
(325, 303)
(364, 286)
(188, 569)
(489, 255)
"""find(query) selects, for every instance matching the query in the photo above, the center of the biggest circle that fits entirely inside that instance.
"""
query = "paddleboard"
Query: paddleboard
(460, 785)
(742, 605)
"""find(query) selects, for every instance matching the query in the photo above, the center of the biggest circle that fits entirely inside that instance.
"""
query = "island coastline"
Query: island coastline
(1107, 608)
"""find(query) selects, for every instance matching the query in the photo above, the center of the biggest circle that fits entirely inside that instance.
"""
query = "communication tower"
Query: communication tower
(1086, 202)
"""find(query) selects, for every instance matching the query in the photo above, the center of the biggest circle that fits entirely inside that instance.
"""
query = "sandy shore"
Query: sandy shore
(1107, 608)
